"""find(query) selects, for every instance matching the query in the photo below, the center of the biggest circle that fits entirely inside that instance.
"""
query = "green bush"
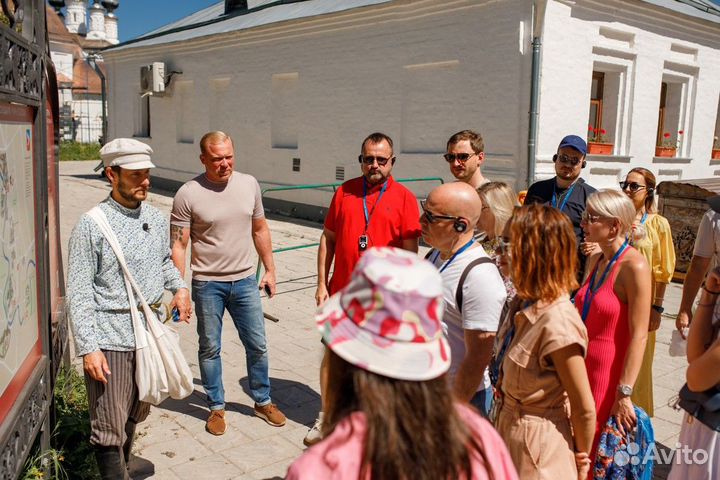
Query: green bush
(79, 151)
(72, 430)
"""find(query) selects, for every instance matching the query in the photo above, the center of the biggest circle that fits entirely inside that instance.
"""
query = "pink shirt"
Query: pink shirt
(339, 455)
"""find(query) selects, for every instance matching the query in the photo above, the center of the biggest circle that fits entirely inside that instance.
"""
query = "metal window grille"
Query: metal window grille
(295, 164)
(339, 173)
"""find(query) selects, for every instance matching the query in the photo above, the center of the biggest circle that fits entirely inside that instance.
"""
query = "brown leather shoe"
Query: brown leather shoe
(271, 414)
(216, 422)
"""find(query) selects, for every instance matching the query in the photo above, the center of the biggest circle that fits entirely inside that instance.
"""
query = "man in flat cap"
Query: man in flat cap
(98, 301)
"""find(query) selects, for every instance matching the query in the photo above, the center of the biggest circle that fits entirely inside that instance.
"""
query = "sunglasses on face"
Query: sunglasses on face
(433, 217)
(565, 160)
(589, 218)
(460, 157)
(369, 160)
(632, 186)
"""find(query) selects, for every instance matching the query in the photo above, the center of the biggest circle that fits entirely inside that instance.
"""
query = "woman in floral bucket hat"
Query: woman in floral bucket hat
(390, 412)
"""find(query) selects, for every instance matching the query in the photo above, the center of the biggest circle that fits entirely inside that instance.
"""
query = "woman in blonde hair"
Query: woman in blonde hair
(498, 202)
(614, 303)
(652, 237)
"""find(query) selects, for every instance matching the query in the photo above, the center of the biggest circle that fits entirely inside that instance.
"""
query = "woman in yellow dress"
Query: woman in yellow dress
(651, 236)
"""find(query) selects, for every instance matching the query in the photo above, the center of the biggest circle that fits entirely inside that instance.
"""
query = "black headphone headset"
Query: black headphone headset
(584, 162)
(460, 225)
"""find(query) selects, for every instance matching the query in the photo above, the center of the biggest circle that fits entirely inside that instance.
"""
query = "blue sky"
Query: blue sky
(136, 17)
(141, 16)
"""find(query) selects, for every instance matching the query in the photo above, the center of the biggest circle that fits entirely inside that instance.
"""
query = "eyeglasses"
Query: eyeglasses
(460, 157)
(433, 218)
(503, 245)
(565, 160)
(369, 160)
(586, 217)
(633, 186)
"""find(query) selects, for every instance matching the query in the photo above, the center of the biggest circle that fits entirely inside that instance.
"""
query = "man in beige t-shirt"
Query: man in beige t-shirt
(220, 213)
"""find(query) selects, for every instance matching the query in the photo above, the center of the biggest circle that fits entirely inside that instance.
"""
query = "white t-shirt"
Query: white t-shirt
(483, 300)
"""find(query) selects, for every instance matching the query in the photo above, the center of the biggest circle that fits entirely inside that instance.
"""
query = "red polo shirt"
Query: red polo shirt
(393, 220)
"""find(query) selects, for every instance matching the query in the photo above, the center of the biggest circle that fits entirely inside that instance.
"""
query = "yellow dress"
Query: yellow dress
(658, 249)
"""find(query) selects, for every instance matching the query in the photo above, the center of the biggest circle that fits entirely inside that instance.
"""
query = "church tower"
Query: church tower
(76, 16)
(111, 21)
(97, 22)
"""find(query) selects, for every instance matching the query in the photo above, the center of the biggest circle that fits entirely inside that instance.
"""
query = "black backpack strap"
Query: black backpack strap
(463, 276)
(430, 252)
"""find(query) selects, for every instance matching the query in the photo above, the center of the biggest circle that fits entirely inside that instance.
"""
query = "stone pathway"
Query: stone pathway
(173, 444)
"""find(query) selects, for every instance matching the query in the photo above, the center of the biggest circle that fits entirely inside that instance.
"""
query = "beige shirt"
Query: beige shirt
(220, 217)
(529, 375)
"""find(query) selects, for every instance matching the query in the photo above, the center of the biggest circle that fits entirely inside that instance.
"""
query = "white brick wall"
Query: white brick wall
(419, 71)
(579, 35)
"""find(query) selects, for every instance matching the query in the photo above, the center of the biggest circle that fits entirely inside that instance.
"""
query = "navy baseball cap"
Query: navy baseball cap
(575, 142)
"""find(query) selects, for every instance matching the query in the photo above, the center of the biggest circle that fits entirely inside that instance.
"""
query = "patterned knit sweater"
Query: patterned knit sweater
(97, 298)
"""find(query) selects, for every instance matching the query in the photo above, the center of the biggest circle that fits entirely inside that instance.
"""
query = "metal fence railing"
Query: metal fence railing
(314, 186)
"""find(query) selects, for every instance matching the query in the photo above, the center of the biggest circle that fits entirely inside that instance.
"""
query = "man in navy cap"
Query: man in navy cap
(566, 191)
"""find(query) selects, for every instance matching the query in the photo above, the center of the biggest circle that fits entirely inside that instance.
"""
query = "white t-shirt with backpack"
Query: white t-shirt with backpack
(481, 299)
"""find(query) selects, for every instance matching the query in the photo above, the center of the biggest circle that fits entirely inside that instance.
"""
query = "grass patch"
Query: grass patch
(70, 455)
(79, 151)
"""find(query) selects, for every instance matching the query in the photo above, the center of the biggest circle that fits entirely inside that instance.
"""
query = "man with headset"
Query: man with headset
(372, 210)
(566, 191)
(473, 291)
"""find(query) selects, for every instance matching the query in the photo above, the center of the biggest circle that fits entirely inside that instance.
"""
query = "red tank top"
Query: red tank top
(608, 341)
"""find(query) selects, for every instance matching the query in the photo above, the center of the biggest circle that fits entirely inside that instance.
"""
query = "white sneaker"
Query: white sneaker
(314, 435)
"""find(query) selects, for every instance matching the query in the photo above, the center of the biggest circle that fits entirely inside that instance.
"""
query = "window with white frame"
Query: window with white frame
(607, 113)
(677, 97)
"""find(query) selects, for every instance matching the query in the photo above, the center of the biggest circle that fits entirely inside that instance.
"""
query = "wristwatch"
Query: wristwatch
(658, 308)
(625, 390)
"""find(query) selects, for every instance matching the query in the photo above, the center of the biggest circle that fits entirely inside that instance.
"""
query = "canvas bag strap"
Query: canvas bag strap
(99, 217)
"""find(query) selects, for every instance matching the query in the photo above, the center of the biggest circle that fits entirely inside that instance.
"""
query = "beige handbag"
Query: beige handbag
(160, 367)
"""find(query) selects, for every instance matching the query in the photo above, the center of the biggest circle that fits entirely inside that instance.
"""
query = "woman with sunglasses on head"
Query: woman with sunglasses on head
(390, 413)
(542, 372)
(498, 201)
(614, 303)
(652, 237)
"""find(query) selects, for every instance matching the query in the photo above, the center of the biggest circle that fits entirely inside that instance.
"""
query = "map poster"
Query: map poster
(20, 345)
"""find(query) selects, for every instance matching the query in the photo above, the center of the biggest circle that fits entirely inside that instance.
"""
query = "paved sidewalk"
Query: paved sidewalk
(173, 444)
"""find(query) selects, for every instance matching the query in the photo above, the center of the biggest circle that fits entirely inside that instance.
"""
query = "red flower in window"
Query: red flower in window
(590, 128)
(603, 131)
(681, 132)
(666, 134)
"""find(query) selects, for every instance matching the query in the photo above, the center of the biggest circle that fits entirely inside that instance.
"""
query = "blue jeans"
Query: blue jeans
(242, 301)
(483, 400)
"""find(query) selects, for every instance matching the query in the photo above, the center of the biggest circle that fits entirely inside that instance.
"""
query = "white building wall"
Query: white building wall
(641, 46)
(313, 89)
(63, 63)
(88, 108)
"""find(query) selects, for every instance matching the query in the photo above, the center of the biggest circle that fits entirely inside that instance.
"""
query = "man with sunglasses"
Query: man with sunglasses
(474, 292)
(566, 191)
(372, 210)
(465, 155)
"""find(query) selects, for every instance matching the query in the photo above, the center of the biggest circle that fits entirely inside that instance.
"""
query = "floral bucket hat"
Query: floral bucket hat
(387, 320)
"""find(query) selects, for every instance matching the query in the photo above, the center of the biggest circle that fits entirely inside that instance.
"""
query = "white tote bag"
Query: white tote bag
(160, 367)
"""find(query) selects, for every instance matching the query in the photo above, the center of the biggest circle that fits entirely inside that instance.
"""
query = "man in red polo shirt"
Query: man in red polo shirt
(372, 210)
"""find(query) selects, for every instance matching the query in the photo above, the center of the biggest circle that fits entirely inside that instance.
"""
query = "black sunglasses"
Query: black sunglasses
(565, 160)
(633, 186)
(369, 160)
(461, 157)
(433, 218)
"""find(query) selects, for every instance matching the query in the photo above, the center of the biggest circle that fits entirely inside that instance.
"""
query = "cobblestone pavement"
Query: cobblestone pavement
(173, 443)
